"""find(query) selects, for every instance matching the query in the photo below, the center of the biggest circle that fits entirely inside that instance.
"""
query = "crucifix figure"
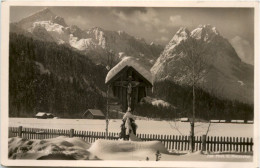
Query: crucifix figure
(129, 84)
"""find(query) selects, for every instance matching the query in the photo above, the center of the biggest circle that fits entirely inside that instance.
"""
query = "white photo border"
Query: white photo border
(5, 16)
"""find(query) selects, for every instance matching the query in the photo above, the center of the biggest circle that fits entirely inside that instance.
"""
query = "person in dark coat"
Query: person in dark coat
(122, 133)
(133, 125)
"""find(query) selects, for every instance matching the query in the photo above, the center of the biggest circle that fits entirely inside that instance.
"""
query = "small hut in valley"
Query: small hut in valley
(93, 114)
(41, 115)
(44, 115)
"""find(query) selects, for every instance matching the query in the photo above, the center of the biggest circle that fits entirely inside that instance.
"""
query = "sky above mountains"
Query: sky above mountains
(159, 24)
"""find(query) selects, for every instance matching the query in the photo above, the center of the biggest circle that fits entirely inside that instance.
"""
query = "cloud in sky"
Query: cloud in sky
(163, 38)
(142, 22)
(175, 19)
(130, 10)
(178, 20)
(163, 30)
(150, 21)
(244, 49)
(138, 17)
(78, 20)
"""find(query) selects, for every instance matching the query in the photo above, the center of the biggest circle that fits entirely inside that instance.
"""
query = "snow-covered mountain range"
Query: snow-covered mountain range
(228, 75)
(107, 47)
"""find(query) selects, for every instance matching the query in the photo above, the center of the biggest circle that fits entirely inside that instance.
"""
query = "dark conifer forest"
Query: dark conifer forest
(208, 106)
(47, 77)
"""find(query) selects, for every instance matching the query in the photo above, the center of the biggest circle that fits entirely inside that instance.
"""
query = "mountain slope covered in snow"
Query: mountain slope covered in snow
(227, 76)
(104, 46)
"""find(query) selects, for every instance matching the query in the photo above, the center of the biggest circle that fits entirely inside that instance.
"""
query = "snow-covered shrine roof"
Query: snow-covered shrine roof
(131, 62)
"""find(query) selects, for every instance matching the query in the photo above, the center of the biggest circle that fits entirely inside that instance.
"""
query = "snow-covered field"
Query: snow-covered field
(144, 126)
(64, 148)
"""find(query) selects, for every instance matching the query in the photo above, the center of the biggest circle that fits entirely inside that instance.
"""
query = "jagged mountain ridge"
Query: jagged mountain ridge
(99, 43)
(228, 76)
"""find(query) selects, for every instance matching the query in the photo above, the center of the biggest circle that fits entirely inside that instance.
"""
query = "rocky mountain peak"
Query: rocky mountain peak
(77, 32)
(226, 67)
(59, 20)
(43, 12)
(43, 15)
(205, 32)
(182, 34)
(183, 31)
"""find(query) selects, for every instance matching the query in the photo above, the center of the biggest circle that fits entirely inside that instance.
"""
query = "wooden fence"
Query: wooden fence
(171, 142)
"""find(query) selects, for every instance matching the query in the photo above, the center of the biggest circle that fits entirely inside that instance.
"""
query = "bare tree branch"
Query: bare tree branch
(208, 128)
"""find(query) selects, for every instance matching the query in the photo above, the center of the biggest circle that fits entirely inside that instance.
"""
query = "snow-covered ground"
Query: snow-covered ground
(64, 148)
(144, 126)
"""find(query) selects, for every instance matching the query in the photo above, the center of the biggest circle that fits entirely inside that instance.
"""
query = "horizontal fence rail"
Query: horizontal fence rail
(171, 142)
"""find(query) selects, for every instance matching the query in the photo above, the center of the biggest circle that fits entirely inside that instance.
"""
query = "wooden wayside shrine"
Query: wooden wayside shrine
(129, 82)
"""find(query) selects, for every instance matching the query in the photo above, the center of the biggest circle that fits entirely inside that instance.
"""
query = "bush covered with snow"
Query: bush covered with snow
(60, 148)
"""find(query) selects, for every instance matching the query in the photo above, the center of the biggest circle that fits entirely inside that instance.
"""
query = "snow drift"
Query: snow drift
(60, 148)
(156, 102)
(126, 150)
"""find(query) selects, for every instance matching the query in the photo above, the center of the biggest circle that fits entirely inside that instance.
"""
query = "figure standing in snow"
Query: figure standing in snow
(129, 125)
(123, 131)
(133, 125)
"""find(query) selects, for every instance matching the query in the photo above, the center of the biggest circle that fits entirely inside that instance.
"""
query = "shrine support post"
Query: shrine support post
(106, 136)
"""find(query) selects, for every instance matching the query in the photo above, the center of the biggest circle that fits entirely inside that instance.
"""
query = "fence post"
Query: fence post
(71, 133)
(203, 142)
(20, 131)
